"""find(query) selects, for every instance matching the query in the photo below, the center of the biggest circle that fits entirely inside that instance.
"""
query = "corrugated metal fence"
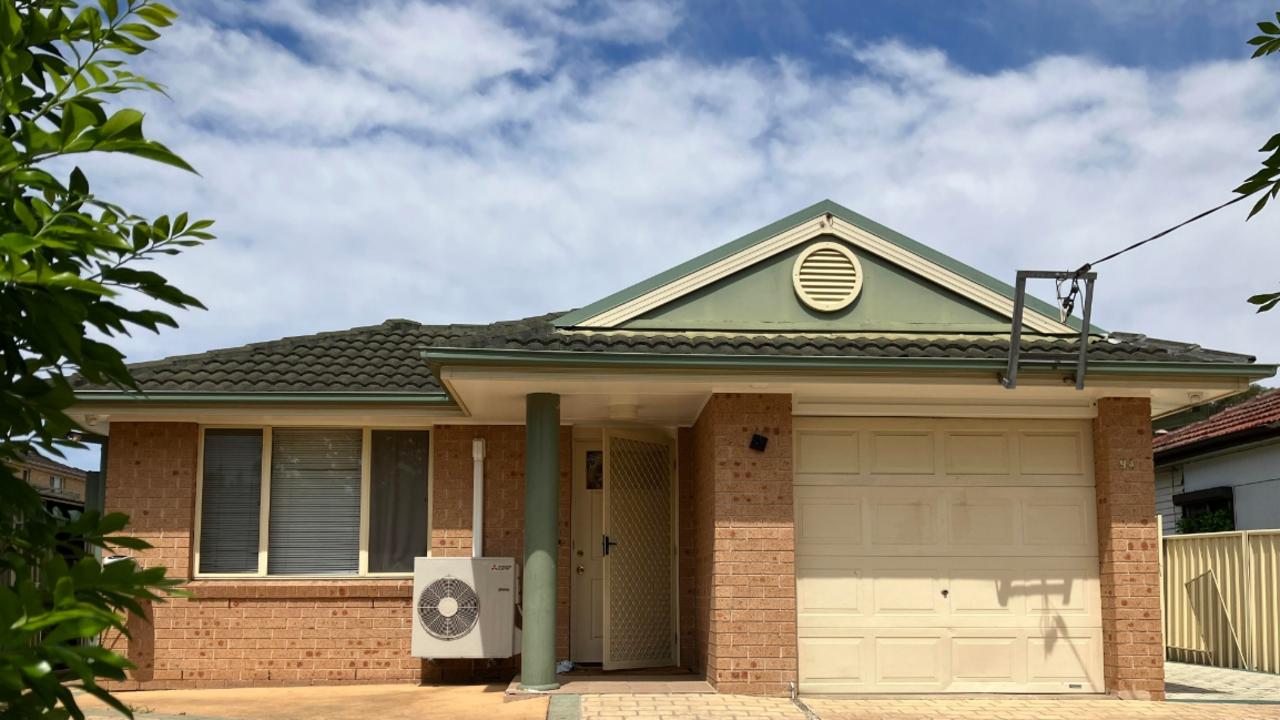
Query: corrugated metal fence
(1222, 599)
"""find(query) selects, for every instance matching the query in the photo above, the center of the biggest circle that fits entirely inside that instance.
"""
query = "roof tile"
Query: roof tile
(1259, 412)
(386, 358)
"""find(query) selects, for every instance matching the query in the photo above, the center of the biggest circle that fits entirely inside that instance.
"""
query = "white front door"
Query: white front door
(587, 627)
(639, 549)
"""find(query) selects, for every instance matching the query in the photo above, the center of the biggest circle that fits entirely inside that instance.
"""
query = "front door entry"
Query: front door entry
(638, 548)
(586, 630)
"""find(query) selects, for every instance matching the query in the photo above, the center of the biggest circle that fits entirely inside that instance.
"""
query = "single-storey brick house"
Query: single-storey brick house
(848, 499)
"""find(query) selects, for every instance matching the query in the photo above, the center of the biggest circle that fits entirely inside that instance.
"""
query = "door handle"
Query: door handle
(607, 543)
(581, 570)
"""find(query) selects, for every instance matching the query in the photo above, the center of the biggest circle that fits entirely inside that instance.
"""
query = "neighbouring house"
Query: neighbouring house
(60, 485)
(799, 442)
(1228, 463)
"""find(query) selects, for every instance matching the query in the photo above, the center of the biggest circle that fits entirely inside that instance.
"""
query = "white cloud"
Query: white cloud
(451, 164)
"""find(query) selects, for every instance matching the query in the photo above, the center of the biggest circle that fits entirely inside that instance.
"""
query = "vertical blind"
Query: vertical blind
(397, 499)
(230, 501)
(314, 526)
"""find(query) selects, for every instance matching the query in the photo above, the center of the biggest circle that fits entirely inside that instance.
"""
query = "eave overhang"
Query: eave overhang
(438, 358)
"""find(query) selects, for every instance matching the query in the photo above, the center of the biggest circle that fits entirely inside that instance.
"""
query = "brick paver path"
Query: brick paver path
(1200, 682)
(686, 707)
(739, 707)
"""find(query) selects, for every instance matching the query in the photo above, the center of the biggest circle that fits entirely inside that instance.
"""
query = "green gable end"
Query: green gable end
(746, 284)
(763, 298)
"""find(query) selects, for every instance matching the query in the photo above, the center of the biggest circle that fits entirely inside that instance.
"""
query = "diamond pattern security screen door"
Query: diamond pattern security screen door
(639, 578)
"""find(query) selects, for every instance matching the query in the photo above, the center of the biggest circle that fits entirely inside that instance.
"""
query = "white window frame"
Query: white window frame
(264, 504)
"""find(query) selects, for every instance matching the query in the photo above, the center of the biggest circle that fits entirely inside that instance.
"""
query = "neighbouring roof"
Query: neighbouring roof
(388, 358)
(36, 460)
(1244, 422)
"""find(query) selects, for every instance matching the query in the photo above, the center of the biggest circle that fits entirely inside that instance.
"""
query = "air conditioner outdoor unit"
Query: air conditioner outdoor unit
(464, 607)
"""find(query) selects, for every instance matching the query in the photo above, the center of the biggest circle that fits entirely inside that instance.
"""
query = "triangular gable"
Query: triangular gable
(745, 285)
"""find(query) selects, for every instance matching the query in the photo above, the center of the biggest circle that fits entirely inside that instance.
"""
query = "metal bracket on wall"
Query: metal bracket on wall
(1010, 377)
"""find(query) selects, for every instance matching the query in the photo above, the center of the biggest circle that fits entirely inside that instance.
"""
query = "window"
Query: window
(55, 482)
(397, 499)
(312, 501)
(1210, 510)
(230, 501)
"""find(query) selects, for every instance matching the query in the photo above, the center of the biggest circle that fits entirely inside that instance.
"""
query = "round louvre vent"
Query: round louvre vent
(448, 608)
(827, 276)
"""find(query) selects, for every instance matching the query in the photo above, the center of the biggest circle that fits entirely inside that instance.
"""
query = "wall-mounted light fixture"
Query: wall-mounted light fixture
(758, 442)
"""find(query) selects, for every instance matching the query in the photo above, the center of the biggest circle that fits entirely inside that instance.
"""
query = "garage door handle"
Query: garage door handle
(945, 593)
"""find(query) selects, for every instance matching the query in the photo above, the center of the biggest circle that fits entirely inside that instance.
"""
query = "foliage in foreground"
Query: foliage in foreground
(68, 264)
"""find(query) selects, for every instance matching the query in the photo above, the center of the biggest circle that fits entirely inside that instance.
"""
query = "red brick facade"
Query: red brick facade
(737, 601)
(1128, 549)
(745, 545)
(452, 504)
(275, 632)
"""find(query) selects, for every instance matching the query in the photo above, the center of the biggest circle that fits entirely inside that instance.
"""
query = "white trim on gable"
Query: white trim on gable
(824, 225)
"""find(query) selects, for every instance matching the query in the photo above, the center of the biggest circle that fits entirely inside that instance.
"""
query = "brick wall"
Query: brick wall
(744, 533)
(154, 468)
(240, 632)
(285, 632)
(503, 521)
(1128, 549)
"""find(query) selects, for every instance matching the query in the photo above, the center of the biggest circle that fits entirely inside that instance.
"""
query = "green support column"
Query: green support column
(541, 505)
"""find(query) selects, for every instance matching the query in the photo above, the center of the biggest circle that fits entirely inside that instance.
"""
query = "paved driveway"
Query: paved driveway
(1201, 683)
(332, 702)
(1205, 687)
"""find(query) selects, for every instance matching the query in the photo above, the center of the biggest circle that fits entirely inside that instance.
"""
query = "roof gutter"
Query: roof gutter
(264, 398)
(440, 357)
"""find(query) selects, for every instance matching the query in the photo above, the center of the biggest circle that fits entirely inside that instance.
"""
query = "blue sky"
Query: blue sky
(978, 35)
(505, 158)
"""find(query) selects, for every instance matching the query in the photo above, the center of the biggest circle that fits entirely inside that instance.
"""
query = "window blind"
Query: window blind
(397, 499)
(230, 501)
(315, 502)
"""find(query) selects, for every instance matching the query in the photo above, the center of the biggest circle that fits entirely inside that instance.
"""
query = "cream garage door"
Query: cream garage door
(946, 555)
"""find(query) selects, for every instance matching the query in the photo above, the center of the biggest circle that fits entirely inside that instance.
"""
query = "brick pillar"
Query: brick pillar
(151, 477)
(744, 530)
(1128, 549)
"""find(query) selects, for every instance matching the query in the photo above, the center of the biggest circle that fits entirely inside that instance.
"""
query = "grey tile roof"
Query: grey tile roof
(386, 357)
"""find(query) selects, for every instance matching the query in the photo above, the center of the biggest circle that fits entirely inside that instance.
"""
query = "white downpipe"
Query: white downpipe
(477, 497)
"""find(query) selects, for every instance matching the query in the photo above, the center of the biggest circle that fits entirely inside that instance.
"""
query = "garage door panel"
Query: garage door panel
(903, 521)
(827, 452)
(832, 591)
(1051, 452)
(942, 452)
(977, 453)
(947, 555)
(1066, 660)
(946, 521)
(904, 452)
(825, 520)
(984, 594)
(982, 521)
(918, 661)
(1060, 518)
(986, 658)
(868, 592)
(897, 593)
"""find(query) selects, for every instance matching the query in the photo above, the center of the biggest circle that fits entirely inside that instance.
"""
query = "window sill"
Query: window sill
(273, 588)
